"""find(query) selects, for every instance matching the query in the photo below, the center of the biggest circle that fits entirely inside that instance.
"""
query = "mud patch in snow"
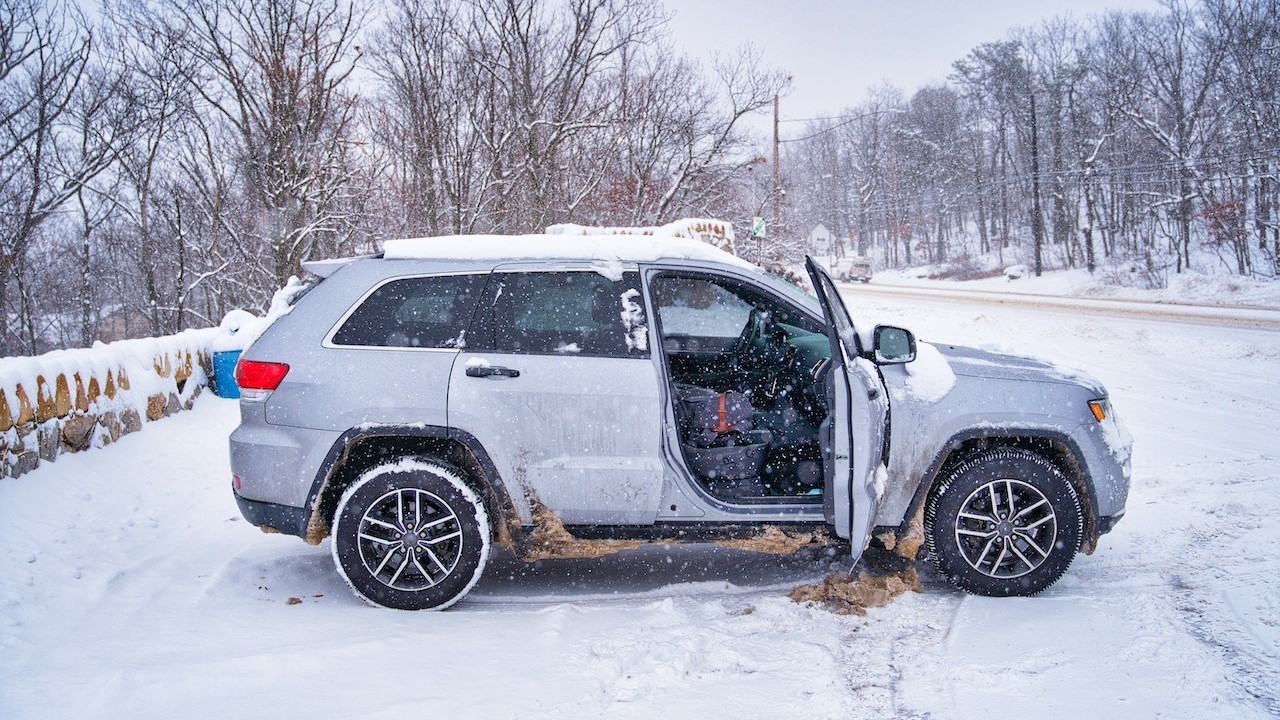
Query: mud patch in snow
(549, 539)
(852, 594)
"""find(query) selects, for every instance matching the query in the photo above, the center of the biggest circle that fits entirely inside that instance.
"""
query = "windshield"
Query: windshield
(795, 294)
(838, 313)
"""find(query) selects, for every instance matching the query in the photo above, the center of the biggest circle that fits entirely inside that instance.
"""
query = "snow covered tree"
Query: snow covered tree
(44, 51)
(277, 72)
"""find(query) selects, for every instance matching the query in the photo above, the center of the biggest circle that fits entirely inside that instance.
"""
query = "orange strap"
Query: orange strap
(724, 425)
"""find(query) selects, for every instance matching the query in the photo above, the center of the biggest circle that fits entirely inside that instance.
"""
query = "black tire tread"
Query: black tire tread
(441, 480)
(956, 571)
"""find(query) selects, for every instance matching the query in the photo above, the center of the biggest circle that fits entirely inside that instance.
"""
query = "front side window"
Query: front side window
(699, 307)
(419, 312)
(705, 307)
(564, 313)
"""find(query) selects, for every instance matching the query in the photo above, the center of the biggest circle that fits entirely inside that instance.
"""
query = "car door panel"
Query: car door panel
(563, 396)
(578, 434)
(859, 410)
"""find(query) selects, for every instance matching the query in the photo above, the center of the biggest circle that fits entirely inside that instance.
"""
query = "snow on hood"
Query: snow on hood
(973, 362)
(929, 376)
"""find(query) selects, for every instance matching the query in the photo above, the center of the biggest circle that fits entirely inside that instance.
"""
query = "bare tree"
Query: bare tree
(1250, 31)
(515, 114)
(100, 124)
(713, 136)
(44, 50)
(1183, 66)
(276, 71)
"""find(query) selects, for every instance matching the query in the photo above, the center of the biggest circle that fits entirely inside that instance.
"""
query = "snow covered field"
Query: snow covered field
(130, 587)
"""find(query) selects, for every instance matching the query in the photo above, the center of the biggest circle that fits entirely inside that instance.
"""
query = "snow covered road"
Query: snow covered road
(1259, 318)
(129, 587)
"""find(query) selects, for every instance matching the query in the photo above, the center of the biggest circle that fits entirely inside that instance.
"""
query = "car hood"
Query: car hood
(973, 362)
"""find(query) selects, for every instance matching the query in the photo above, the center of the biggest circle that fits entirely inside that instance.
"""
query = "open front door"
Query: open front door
(859, 406)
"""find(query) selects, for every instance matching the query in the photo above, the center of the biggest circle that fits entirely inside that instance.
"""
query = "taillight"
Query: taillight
(257, 379)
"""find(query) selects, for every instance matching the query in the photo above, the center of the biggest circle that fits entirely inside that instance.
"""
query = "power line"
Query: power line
(845, 120)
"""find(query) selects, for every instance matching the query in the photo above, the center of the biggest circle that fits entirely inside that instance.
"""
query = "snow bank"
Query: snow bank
(1195, 288)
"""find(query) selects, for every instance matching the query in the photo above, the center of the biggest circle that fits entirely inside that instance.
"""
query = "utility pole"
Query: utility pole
(1037, 221)
(777, 177)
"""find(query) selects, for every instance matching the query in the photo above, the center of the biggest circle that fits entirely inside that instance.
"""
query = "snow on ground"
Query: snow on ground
(130, 587)
(1193, 288)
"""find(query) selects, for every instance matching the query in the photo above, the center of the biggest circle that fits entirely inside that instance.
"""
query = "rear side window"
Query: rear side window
(419, 312)
(564, 313)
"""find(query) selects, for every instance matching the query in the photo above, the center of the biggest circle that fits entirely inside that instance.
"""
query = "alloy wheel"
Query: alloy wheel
(409, 539)
(1006, 528)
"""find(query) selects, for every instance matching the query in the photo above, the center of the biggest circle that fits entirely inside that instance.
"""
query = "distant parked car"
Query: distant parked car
(855, 269)
(570, 396)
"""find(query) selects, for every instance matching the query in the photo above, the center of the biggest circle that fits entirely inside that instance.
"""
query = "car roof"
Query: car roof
(592, 248)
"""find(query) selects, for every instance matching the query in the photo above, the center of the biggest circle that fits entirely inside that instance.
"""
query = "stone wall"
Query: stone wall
(74, 400)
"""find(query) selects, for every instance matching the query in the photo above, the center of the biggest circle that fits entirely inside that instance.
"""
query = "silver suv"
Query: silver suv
(573, 396)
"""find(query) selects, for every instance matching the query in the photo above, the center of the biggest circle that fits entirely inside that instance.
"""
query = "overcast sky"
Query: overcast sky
(837, 49)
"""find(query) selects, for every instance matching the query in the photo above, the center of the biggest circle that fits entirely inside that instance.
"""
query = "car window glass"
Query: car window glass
(840, 316)
(419, 312)
(566, 313)
(716, 307)
(699, 307)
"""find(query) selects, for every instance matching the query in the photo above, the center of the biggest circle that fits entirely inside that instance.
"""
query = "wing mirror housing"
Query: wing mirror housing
(893, 345)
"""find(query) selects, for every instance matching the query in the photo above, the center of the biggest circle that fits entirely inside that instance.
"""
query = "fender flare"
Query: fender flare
(490, 485)
(1077, 473)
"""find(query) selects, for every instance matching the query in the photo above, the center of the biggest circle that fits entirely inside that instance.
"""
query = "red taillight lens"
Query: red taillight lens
(254, 375)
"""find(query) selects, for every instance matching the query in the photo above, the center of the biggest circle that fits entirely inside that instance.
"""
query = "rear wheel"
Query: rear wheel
(411, 536)
(1004, 522)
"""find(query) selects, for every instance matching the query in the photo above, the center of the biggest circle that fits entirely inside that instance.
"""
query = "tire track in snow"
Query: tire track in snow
(1214, 614)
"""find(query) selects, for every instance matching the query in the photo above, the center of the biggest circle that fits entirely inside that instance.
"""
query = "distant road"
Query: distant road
(1239, 317)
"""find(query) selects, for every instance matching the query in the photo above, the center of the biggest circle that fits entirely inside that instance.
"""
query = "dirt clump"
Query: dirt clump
(549, 539)
(774, 540)
(871, 584)
(906, 541)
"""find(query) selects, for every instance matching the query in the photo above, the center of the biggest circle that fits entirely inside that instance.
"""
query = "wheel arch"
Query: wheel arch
(363, 447)
(1056, 447)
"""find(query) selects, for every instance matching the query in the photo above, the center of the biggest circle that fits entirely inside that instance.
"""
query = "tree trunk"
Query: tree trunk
(1037, 220)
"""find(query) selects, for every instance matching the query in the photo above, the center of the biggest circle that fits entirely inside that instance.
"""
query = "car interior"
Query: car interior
(748, 378)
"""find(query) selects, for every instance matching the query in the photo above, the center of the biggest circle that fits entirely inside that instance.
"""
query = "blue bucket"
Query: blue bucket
(224, 373)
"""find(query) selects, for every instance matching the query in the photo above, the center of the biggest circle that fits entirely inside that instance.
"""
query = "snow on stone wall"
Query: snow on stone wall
(73, 400)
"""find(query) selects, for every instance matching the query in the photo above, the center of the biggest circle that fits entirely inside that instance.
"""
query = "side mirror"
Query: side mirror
(893, 345)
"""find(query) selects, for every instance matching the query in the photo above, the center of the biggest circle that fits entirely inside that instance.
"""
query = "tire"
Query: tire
(1004, 522)
(411, 536)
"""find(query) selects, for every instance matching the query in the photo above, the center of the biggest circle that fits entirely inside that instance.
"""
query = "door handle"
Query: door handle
(489, 370)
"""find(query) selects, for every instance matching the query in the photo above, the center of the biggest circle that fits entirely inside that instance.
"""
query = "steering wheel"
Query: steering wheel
(758, 326)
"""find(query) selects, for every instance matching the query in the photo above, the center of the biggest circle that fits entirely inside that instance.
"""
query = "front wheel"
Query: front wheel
(411, 536)
(1004, 522)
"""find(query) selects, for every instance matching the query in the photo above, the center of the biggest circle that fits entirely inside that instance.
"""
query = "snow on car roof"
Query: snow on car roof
(601, 248)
